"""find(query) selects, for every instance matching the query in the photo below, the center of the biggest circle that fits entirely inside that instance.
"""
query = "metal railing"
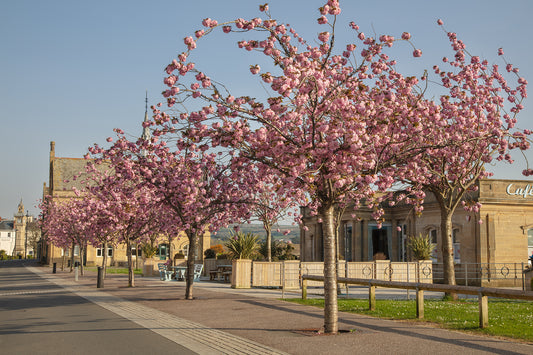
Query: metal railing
(485, 274)
(287, 274)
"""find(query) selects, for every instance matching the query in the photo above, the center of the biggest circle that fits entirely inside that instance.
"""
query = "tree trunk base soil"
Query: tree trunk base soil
(310, 332)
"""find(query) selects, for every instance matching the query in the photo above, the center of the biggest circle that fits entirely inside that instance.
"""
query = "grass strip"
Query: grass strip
(507, 318)
(114, 270)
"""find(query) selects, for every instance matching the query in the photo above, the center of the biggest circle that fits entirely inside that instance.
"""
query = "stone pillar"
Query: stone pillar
(364, 238)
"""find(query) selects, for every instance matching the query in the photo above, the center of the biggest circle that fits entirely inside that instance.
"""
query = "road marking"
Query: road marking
(24, 292)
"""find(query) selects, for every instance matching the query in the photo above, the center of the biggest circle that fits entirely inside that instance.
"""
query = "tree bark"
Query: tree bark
(189, 278)
(131, 279)
(104, 260)
(446, 228)
(82, 257)
(268, 230)
(72, 258)
(330, 271)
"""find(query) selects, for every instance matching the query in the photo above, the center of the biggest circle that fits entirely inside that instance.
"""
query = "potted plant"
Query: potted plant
(241, 248)
(149, 251)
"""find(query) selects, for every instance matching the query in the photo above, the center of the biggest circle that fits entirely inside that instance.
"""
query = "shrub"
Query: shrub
(218, 248)
(3, 255)
(279, 250)
(149, 250)
(210, 254)
(421, 247)
(242, 246)
(223, 256)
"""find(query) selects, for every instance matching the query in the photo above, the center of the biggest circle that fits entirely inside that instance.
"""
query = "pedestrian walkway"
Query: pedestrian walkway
(193, 336)
(221, 320)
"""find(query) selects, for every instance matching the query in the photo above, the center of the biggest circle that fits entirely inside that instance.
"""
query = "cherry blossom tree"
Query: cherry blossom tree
(270, 207)
(132, 207)
(338, 126)
(67, 224)
(480, 110)
(202, 192)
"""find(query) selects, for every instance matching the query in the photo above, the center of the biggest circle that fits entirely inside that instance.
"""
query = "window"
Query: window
(348, 242)
(163, 251)
(76, 250)
(456, 246)
(136, 252)
(100, 250)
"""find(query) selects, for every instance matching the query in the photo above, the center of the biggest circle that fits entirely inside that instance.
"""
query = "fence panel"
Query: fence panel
(266, 274)
(313, 268)
(291, 271)
(361, 270)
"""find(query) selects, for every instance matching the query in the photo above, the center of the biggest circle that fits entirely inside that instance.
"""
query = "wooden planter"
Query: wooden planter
(241, 273)
(148, 268)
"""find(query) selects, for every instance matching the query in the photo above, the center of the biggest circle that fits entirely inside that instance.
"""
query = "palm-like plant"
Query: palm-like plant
(421, 247)
(242, 246)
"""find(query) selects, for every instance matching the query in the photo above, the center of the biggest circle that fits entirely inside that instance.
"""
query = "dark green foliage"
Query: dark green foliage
(421, 247)
(279, 250)
(210, 254)
(242, 246)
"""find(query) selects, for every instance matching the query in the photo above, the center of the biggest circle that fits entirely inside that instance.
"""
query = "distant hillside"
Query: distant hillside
(257, 229)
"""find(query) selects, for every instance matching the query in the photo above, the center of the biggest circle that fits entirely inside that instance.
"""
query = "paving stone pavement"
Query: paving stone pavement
(194, 336)
(222, 320)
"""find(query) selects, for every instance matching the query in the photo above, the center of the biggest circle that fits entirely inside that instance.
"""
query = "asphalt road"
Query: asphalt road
(39, 317)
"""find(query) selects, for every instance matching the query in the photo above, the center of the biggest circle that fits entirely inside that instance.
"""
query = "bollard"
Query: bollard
(76, 273)
(100, 279)
(54, 268)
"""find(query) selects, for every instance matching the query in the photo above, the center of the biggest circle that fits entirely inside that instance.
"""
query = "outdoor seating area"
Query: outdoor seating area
(164, 274)
(222, 273)
(179, 272)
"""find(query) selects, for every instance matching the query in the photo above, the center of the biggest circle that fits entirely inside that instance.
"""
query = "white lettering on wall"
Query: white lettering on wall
(519, 191)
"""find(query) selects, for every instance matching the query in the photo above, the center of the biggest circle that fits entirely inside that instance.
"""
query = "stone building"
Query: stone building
(501, 232)
(60, 186)
(20, 237)
(7, 236)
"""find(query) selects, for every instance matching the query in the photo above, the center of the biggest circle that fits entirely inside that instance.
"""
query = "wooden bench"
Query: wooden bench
(227, 275)
(213, 274)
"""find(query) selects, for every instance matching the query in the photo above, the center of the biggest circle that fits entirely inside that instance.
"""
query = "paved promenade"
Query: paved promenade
(221, 320)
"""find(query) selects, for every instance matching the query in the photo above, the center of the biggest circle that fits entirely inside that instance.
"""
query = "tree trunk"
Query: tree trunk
(72, 258)
(330, 271)
(82, 258)
(446, 229)
(268, 231)
(189, 278)
(104, 260)
(63, 259)
(131, 280)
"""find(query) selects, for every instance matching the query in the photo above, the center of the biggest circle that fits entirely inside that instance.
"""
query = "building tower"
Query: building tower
(20, 231)
(146, 135)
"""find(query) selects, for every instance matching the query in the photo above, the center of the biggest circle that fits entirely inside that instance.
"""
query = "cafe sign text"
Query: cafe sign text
(520, 191)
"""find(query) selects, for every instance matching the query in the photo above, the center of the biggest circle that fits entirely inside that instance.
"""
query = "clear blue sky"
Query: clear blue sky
(71, 71)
